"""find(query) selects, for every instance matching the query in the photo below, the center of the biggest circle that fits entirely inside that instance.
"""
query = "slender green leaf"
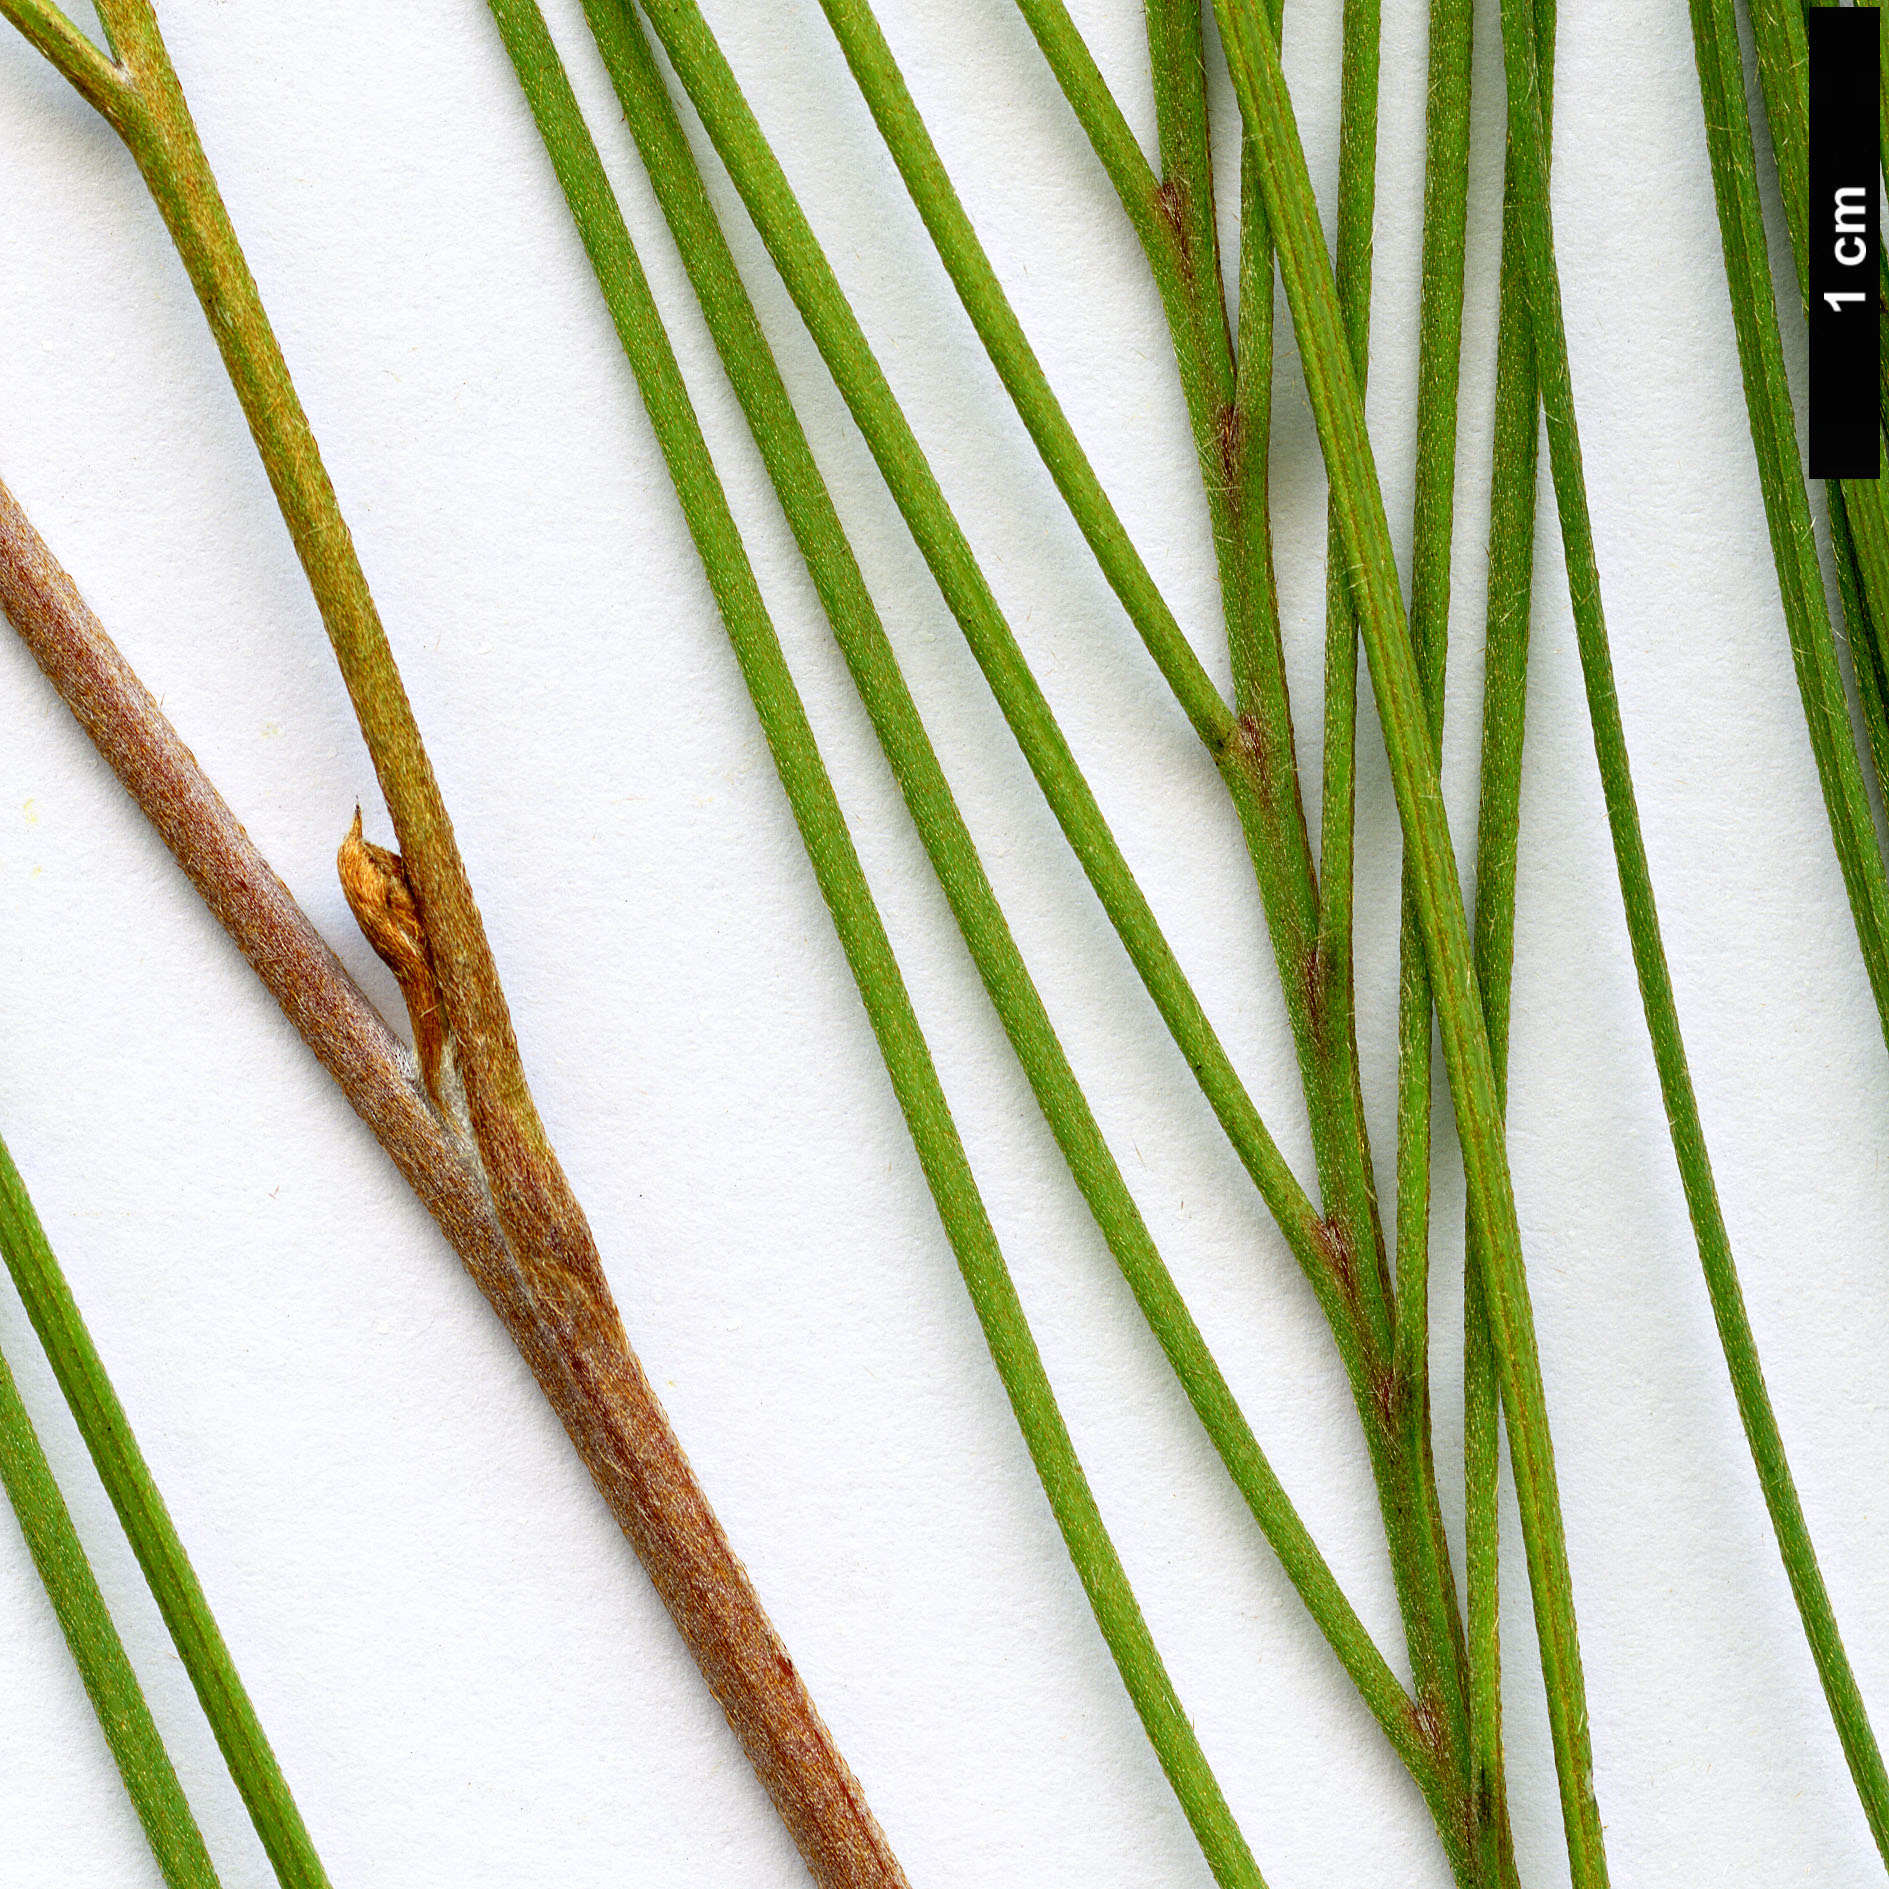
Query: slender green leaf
(1231, 430)
(857, 628)
(147, 1524)
(890, 101)
(1761, 353)
(1357, 207)
(1446, 186)
(98, 1652)
(1806, 609)
(1504, 717)
(1872, 681)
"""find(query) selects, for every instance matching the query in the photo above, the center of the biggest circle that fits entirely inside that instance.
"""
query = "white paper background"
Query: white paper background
(467, 1677)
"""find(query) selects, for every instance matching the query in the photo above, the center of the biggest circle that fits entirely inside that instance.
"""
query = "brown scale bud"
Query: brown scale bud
(375, 884)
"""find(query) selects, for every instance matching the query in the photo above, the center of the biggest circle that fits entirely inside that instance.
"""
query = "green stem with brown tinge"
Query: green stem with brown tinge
(1312, 946)
(1334, 997)
(600, 1390)
(1338, 410)
(1446, 186)
(1264, 784)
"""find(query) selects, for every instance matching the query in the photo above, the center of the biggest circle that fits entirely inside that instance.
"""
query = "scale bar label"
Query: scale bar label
(1844, 235)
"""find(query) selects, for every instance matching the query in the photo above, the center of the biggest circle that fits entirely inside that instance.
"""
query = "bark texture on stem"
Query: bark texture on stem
(574, 1342)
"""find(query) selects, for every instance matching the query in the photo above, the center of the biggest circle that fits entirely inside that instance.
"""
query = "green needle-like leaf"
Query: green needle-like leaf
(884, 89)
(1357, 206)
(98, 1652)
(1312, 941)
(907, 746)
(1786, 500)
(882, 689)
(1504, 718)
(1337, 1258)
(1446, 189)
(1734, 177)
(1872, 680)
(147, 1524)
(1439, 351)
(1806, 609)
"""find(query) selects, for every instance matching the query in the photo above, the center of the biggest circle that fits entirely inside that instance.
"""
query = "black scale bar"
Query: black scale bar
(1844, 236)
